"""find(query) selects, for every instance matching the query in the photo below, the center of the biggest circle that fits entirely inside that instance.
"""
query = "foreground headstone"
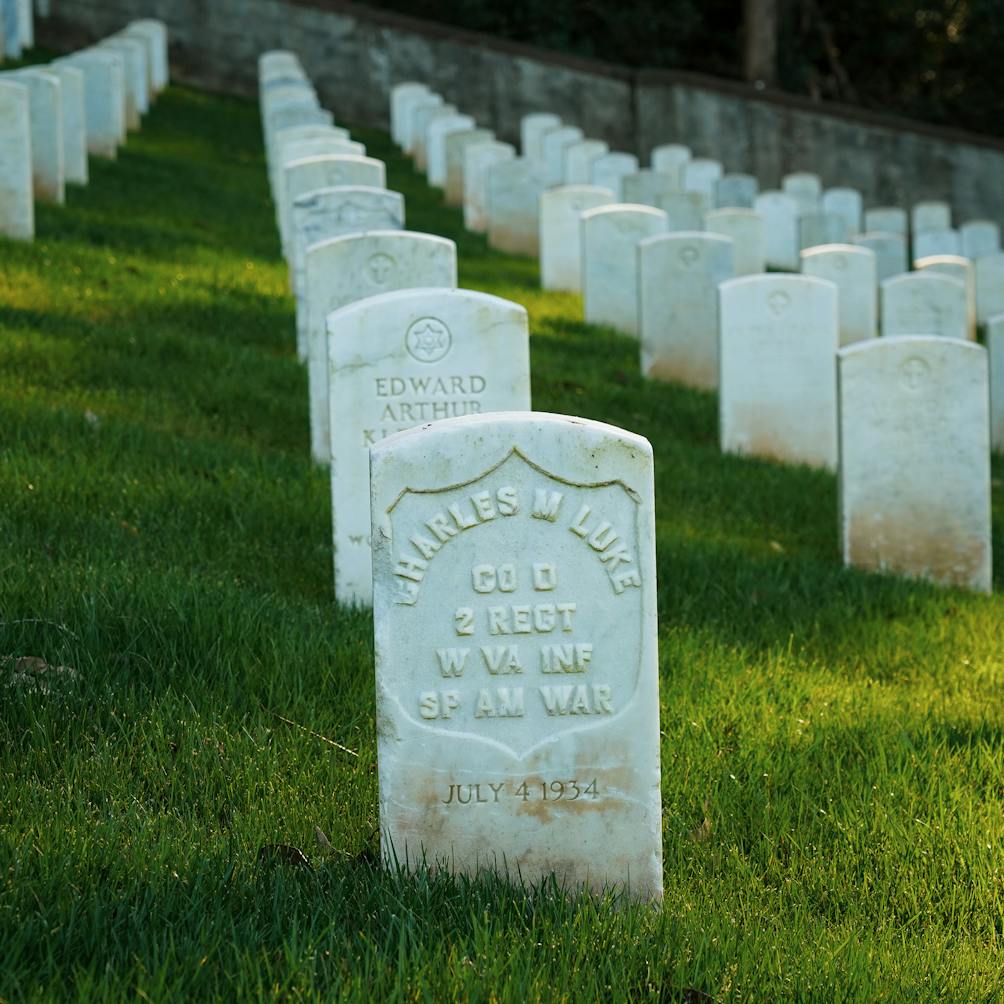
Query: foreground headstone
(679, 274)
(437, 135)
(610, 238)
(516, 652)
(17, 207)
(776, 388)
(456, 148)
(930, 215)
(609, 169)
(780, 223)
(561, 233)
(398, 360)
(914, 459)
(805, 188)
(513, 192)
(345, 269)
(995, 350)
(531, 132)
(959, 268)
(924, 303)
(886, 219)
(889, 250)
(477, 160)
(852, 270)
(579, 159)
(979, 238)
(745, 228)
(335, 212)
(989, 278)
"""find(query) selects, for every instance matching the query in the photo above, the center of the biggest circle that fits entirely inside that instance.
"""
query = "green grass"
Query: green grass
(833, 751)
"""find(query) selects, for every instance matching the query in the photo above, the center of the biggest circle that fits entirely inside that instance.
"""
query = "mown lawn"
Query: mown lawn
(833, 754)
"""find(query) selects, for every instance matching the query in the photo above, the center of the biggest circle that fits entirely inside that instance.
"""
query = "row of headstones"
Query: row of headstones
(388, 339)
(54, 115)
(17, 28)
(647, 278)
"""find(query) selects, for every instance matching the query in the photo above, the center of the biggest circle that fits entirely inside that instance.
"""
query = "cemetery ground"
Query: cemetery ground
(188, 803)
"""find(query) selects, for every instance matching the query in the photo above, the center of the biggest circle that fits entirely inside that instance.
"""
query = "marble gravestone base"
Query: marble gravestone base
(516, 651)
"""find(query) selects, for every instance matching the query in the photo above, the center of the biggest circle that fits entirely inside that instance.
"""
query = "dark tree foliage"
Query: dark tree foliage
(937, 60)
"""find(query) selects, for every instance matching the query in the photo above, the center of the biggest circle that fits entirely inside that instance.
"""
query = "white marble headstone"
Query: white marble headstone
(924, 303)
(805, 188)
(437, 134)
(647, 188)
(424, 119)
(342, 270)
(914, 459)
(701, 175)
(456, 148)
(403, 359)
(609, 169)
(979, 238)
(684, 210)
(678, 282)
(852, 270)
(989, 278)
(513, 190)
(847, 204)
(958, 268)
(610, 239)
(335, 212)
(670, 158)
(889, 250)
(932, 242)
(104, 100)
(886, 219)
(17, 207)
(930, 215)
(579, 158)
(71, 80)
(531, 131)
(418, 113)
(735, 191)
(401, 117)
(995, 350)
(46, 112)
(561, 233)
(400, 95)
(745, 228)
(819, 228)
(776, 386)
(780, 222)
(516, 652)
(477, 160)
(553, 144)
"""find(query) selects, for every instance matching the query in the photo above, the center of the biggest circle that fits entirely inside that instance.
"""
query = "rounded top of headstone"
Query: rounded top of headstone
(821, 250)
(625, 209)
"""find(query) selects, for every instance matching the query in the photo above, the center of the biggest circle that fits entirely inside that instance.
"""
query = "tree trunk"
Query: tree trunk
(760, 62)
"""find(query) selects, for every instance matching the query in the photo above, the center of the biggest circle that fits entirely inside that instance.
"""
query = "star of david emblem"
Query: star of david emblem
(428, 340)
